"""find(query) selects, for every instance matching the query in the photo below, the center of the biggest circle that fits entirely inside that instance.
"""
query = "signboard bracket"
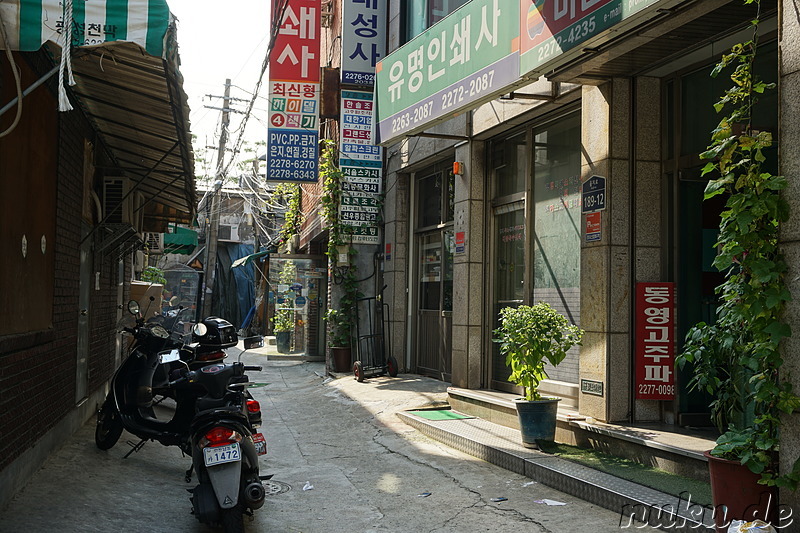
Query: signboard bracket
(555, 90)
(441, 136)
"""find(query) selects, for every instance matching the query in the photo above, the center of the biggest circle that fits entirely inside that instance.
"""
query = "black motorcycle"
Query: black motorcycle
(225, 447)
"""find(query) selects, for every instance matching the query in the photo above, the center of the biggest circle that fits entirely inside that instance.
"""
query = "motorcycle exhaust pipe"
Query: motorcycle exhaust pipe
(254, 495)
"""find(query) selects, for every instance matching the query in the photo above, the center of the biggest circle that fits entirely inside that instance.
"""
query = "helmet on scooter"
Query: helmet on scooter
(219, 333)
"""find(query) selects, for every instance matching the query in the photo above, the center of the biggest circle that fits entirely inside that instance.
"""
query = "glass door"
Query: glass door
(509, 277)
(435, 313)
(297, 293)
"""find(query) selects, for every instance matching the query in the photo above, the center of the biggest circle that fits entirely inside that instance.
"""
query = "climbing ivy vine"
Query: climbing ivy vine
(737, 359)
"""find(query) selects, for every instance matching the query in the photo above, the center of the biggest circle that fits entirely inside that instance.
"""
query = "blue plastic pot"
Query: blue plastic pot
(537, 420)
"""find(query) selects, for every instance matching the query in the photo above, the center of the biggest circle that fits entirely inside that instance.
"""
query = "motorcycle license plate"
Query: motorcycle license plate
(261, 443)
(222, 454)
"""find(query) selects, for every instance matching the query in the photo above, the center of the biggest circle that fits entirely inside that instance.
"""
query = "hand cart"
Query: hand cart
(372, 349)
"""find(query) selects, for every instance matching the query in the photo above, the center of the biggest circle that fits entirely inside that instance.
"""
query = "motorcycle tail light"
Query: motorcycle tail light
(211, 356)
(219, 436)
(253, 406)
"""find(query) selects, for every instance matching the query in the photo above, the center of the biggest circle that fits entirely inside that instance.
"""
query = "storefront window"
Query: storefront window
(422, 14)
(557, 216)
(549, 237)
(509, 163)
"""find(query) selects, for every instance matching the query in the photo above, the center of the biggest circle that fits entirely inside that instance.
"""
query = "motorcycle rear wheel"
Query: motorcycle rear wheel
(232, 519)
(109, 427)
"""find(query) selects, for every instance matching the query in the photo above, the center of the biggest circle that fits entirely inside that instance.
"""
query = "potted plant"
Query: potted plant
(283, 325)
(529, 337)
(737, 360)
(340, 339)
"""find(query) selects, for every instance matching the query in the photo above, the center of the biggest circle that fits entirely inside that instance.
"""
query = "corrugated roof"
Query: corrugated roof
(138, 107)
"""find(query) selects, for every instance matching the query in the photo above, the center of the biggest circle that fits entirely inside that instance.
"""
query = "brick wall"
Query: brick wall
(38, 369)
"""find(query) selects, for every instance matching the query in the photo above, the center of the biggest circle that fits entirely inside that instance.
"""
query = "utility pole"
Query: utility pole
(213, 225)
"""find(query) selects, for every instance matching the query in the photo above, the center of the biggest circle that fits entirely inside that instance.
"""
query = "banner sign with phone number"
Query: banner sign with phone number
(293, 132)
(655, 341)
(487, 48)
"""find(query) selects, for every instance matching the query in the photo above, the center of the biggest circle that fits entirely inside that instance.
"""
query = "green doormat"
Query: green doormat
(440, 414)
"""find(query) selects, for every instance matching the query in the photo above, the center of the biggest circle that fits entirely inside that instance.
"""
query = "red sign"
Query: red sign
(541, 20)
(593, 226)
(655, 341)
(296, 52)
(460, 241)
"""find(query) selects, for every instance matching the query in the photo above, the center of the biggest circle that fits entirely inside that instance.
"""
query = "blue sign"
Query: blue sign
(593, 195)
(300, 301)
(296, 287)
(292, 155)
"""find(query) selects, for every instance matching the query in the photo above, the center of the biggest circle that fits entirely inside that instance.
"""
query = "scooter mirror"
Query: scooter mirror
(253, 342)
(133, 307)
(169, 357)
(199, 329)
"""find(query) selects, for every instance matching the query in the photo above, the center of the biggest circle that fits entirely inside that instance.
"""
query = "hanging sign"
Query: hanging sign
(655, 341)
(361, 163)
(293, 131)
(363, 40)
(487, 48)
(465, 59)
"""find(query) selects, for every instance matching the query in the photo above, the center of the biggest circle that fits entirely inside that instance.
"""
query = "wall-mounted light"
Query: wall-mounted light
(458, 168)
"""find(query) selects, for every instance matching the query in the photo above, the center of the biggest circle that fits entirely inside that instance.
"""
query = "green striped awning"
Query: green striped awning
(31, 23)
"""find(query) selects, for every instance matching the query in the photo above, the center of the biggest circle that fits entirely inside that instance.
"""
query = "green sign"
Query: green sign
(463, 60)
(487, 48)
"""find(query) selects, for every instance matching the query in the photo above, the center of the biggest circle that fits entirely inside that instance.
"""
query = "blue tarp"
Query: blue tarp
(234, 291)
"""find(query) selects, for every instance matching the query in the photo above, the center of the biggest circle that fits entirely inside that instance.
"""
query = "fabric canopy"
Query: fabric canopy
(31, 23)
(125, 64)
(182, 241)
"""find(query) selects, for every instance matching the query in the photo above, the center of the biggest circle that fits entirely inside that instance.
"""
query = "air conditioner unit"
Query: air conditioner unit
(154, 242)
(228, 232)
(117, 201)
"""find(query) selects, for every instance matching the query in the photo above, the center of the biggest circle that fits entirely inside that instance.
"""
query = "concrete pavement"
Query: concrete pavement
(370, 471)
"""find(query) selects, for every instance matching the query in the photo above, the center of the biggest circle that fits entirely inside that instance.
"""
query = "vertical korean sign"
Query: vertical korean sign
(655, 341)
(361, 163)
(293, 133)
(363, 40)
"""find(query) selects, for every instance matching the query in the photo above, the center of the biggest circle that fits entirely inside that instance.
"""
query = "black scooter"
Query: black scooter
(129, 404)
(224, 447)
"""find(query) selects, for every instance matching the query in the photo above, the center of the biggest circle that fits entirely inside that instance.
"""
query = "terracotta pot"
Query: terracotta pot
(737, 494)
(342, 361)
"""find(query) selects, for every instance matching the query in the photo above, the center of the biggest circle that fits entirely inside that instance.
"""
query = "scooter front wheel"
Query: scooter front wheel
(232, 519)
(109, 427)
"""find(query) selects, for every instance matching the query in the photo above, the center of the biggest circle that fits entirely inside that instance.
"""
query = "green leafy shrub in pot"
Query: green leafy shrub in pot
(340, 329)
(283, 320)
(529, 337)
(737, 360)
